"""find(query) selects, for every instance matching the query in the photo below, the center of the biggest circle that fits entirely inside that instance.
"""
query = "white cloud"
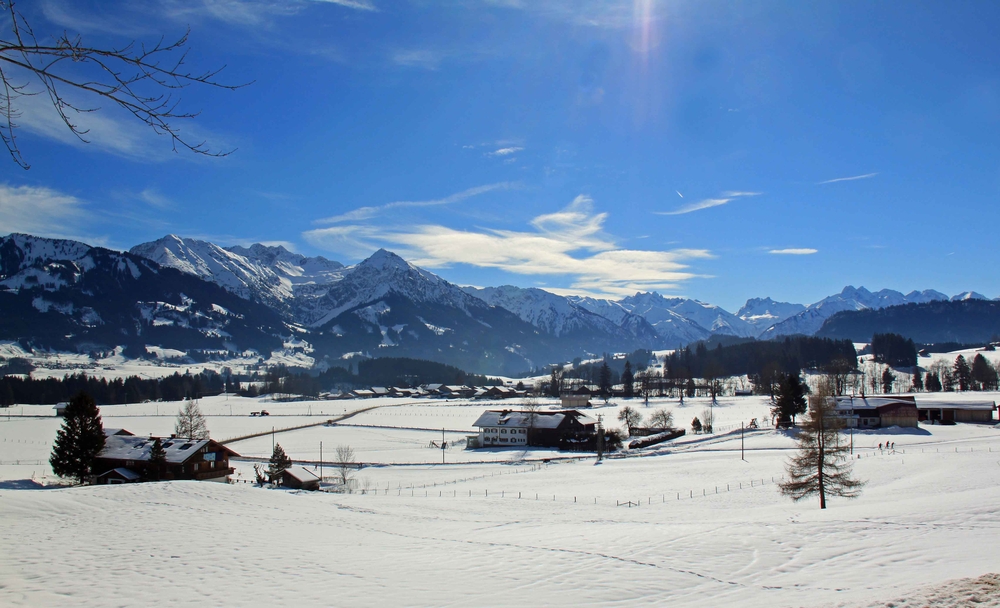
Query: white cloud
(363, 213)
(702, 204)
(707, 203)
(506, 151)
(40, 211)
(567, 243)
(794, 251)
(847, 179)
(361, 5)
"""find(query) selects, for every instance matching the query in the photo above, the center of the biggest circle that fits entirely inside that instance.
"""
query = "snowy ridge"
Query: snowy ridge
(762, 313)
(552, 313)
(671, 327)
(272, 275)
(810, 320)
(384, 273)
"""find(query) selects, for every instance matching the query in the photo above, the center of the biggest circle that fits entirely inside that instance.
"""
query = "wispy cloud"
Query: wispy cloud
(361, 5)
(363, 213)
(40, 211)
(569, 243)
(505, 151)
(707, 203)
(153, 197)
(847, 179)
(419, 58)
(794, 251)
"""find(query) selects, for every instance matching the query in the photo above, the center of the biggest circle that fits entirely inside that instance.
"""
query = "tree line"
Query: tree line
(981, 375)
(275, 380)
(42, 391)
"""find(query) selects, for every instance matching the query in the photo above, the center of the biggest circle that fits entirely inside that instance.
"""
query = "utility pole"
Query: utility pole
(321, 463)
(272, 439)
(443, 445)
(600, 438)
(742, 430)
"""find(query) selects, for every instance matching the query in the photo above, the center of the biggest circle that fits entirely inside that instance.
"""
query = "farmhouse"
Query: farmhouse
(125, 457)
(543, 429)
(946, 411)
(877, 412)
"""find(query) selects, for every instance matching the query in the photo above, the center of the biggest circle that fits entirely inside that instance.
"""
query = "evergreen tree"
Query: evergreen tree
(791, 399)
(6, 395)
(947, 381)
(278, 464)
(554, 383)
(984, 375)
(157, 460)
(80, 439)
(820, 467)
(690, 388)
(628, 380)
(918, 380)
(605, 379)
(933, 383)
(696, 425)
(887, 379)
(962, 373)
(190, 422)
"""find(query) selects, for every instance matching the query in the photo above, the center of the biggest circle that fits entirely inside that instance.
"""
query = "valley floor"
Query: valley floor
(710, 528)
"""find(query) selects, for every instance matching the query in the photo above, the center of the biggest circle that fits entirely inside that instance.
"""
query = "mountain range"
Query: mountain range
(190, 294)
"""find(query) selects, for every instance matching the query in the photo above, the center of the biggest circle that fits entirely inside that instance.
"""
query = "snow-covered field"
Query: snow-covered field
(710, 528)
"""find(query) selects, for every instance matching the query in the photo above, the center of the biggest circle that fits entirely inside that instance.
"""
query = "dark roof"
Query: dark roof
(129, 447)
(952, 405)
(127, 474)
(520, 419)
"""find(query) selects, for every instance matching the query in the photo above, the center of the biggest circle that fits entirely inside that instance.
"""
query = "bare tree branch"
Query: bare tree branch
(139, 79)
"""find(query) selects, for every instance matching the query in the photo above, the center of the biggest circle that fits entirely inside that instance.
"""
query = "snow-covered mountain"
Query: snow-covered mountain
(66, 295)
(385, 306)
(968, 295)
(762, 313)
(812, 318)
(289, 282)
(567, 320)
(672, 327)
(196, 295)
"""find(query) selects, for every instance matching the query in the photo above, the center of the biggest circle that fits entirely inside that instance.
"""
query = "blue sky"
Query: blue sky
(716, 150)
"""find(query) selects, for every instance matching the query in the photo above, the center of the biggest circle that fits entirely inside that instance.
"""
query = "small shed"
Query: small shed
(118, 475)
(299, 478)
(60, 408)
(573, 401)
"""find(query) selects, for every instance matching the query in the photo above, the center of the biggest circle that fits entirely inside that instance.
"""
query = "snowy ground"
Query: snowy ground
(710, 530)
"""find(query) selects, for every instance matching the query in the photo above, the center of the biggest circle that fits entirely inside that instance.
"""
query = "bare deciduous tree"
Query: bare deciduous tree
(707, 420)
(820, 467)
(661, 419)
(345, 465)
(190, 421)
(140, 79)
(630, 417)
